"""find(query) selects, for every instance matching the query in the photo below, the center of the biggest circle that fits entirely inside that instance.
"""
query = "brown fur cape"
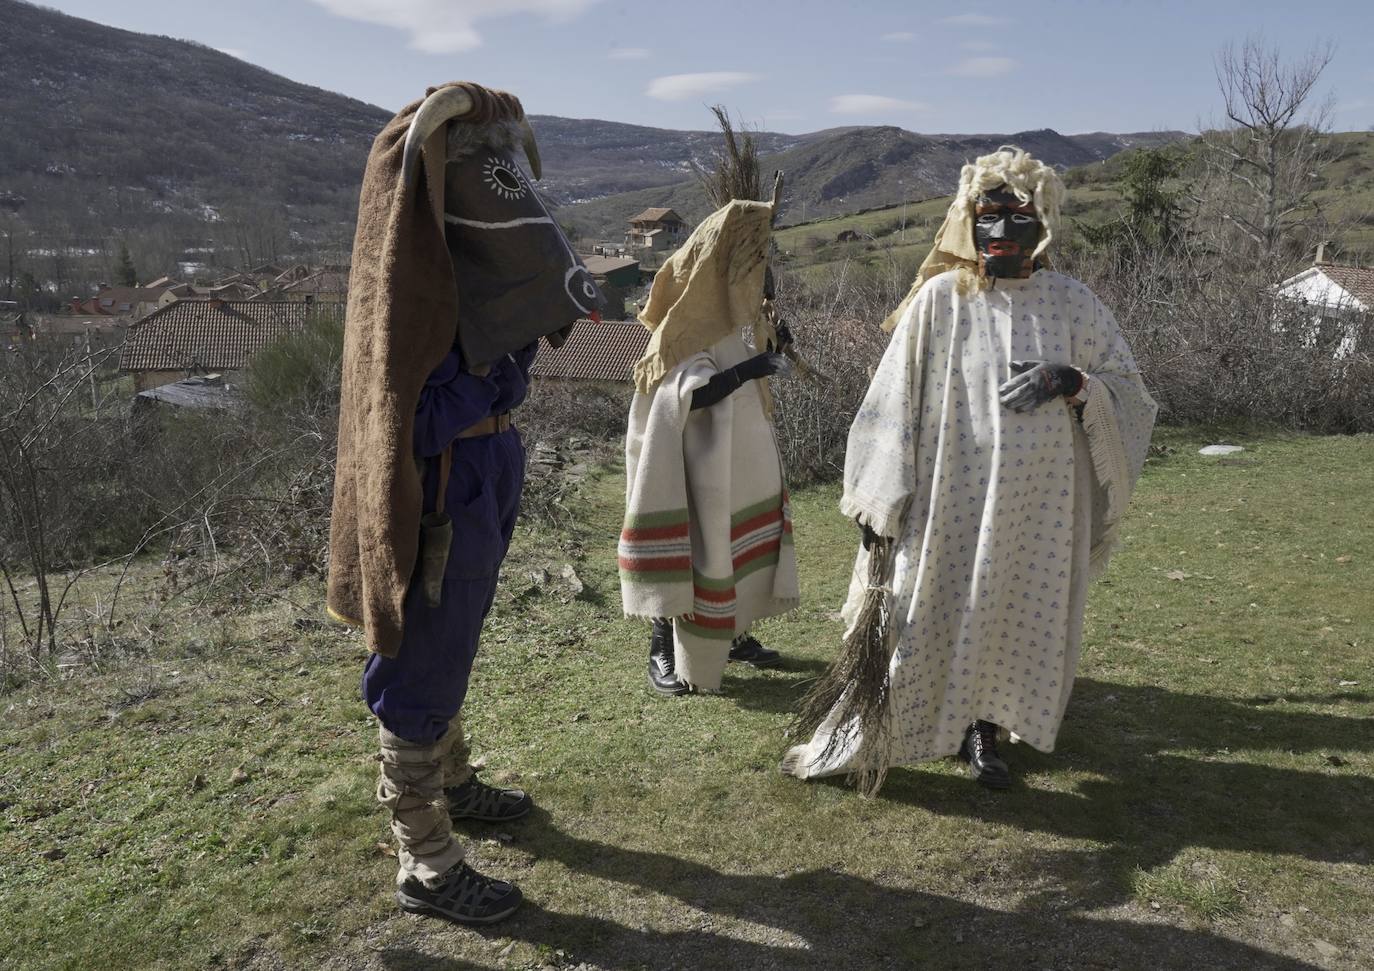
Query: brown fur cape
(402, 319)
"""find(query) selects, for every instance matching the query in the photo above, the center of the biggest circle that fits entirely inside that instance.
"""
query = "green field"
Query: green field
(207, 802)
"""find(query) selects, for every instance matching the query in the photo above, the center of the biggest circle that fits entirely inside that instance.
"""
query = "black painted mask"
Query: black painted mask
(518, 277)
(1005, 232)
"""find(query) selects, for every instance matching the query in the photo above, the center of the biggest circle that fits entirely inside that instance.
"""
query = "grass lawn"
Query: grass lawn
(208, 804)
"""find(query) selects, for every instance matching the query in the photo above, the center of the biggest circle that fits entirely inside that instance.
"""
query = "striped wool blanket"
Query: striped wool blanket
(707, 538)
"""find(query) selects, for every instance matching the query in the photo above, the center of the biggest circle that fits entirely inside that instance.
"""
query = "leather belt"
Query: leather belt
(491, 425)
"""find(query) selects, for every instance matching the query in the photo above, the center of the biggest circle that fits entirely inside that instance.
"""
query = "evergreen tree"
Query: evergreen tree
(125, 274)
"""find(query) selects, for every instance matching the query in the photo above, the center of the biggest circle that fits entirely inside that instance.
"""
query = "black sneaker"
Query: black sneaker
(475, 799)
(747, 650)
(465, 897)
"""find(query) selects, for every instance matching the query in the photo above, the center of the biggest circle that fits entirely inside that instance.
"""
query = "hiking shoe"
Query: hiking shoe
(475, 799)
(747, 650)
(465, 897)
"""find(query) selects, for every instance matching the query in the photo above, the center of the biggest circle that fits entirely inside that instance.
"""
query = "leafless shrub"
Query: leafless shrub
(835, 325)
(1216, 344)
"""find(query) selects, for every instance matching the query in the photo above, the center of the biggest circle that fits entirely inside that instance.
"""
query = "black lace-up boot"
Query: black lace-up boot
(980, 752)
(662, 666)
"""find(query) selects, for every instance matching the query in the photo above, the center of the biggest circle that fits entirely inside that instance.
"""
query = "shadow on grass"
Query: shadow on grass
(823, 919)
(775, 690)
(1152, 802)
(406, 959)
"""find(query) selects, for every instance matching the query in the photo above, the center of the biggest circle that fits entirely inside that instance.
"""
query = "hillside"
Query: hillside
(124, 131)
(852, 169)
(899, 236)
(587, 159)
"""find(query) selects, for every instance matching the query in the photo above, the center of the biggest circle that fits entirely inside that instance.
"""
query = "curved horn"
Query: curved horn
(532, 150)
(440, 107)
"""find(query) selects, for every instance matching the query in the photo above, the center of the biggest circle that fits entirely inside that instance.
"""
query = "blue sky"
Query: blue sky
(795, 66)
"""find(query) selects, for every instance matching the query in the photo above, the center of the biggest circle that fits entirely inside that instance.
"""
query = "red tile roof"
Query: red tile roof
(1358, 281)
(217, 335)
(595, 352)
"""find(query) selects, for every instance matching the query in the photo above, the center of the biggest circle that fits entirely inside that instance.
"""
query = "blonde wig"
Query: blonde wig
(1029, 179)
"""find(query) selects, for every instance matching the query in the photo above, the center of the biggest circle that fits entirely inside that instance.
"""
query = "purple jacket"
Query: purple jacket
(453, 399)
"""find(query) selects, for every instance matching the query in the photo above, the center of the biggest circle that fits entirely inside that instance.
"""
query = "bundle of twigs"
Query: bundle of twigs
(736, 175)
(851, 697)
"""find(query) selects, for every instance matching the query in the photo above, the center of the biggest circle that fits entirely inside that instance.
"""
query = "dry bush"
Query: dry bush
(1216, 346)
(835, 326)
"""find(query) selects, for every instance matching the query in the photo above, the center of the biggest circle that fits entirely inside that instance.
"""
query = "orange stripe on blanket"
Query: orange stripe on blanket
(642, 534)
(753, 553)
(713, 596)
(654, 564)
(759, 521)
(713, 623)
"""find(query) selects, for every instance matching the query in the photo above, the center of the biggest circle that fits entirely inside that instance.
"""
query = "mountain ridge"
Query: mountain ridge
(175, 148)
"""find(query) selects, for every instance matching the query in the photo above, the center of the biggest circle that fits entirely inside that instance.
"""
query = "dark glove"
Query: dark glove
(727, 382)
(1036, 382)
(870, 537)
(784, 337)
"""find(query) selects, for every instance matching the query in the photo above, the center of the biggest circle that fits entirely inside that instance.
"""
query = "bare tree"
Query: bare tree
(1266, 160)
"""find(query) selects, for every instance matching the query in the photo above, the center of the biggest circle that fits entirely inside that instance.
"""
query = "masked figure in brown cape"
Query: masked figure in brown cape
(458, 271)
(706, 548)
(988, 468)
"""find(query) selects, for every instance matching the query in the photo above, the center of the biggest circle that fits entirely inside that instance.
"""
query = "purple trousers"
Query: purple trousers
(417, 693)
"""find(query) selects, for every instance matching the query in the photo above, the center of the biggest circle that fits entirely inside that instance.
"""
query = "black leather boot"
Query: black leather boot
(662, 667)
(980, 752)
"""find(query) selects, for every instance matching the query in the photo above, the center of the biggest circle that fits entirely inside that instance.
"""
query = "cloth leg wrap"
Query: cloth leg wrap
(411, 787)
(456, 763)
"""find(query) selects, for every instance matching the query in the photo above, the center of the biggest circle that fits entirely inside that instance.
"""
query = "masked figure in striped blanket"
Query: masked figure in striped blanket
(706, 547)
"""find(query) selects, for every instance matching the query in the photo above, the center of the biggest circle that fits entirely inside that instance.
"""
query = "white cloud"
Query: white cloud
(628, 53)
(448, 26)
(983, 67)
(870, 104)
(899, 37)
(233, 52)
(680, 87)
(974, 20)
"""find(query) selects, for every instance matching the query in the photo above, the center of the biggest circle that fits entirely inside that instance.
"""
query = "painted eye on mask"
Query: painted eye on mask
(1021, 219)
(989, 218)
(503, 178)
(582, 289)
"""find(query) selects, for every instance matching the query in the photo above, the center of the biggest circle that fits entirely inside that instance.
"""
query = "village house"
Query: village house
(191, 337)
(108, 301)
(656, 230)
(1339, 300)
(618, 271)
(617, 276)
(329, 284)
